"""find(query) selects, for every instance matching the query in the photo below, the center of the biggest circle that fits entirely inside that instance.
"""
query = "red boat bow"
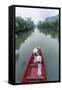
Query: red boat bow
(31, 71)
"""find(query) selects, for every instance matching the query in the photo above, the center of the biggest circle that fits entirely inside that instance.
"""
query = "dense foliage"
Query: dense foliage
(23, 25)
(54, 25)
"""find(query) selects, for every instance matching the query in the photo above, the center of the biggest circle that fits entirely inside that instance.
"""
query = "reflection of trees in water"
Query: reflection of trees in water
(54, 34)
(22, 37)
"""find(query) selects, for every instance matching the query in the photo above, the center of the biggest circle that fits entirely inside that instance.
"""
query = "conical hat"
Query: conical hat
(35, 50)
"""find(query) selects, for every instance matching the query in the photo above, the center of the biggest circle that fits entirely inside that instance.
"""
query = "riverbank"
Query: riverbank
(21, 37)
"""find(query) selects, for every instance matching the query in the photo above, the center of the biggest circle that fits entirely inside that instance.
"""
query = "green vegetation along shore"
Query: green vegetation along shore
(51, 23)
(23, 25)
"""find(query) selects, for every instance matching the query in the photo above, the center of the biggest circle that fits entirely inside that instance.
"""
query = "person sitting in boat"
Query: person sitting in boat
(38, 59)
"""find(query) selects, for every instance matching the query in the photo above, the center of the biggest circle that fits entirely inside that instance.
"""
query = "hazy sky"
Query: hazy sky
(36, 14)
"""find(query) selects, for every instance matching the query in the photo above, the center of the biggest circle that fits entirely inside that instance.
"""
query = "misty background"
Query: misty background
(36, 14)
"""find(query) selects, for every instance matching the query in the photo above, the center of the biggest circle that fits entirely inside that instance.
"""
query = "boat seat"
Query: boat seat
(33, 78)
(33, 65)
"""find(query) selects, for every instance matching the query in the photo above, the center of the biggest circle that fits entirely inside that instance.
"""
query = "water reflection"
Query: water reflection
(50, 49)
(22, 37)
(53, 33)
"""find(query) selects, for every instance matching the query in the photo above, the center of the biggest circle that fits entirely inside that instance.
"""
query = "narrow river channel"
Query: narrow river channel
(49, 44)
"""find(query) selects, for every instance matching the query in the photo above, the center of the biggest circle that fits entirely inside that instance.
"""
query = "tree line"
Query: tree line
(23, 25)
(54, 25)
(27, 24)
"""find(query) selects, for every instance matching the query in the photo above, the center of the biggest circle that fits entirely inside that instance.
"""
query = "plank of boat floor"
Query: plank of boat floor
(33, 78)
(33, 65)
(36, 81)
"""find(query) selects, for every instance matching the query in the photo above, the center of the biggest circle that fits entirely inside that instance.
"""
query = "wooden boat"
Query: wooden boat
(31, 71)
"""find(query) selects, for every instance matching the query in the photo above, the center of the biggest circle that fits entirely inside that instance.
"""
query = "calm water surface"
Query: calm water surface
(48, 42)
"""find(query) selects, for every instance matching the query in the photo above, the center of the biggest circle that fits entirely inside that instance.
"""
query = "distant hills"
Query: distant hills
(51, 23)
(52, 18)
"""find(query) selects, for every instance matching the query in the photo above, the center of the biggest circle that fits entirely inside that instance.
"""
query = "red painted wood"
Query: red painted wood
(31, 71)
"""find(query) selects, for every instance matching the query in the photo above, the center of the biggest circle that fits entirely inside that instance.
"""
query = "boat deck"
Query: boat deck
(31, 71)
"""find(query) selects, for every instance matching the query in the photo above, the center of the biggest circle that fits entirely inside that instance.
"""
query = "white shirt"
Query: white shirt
(39, 59)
